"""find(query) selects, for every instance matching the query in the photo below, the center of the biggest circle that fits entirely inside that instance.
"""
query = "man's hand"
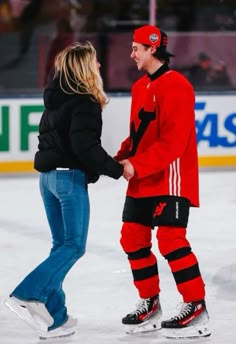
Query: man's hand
(129, 170)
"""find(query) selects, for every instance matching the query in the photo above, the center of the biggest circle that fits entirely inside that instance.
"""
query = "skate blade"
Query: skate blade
(152, 324)
(191, 332)
(41, 337)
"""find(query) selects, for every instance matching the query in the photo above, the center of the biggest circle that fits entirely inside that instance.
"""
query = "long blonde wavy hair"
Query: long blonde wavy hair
(79, 73)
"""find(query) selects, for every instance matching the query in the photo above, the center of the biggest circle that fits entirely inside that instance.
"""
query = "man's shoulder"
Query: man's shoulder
(174, 77)
(143, 79)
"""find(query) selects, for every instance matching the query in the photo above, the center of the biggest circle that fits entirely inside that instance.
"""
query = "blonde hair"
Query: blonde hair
(79, 73)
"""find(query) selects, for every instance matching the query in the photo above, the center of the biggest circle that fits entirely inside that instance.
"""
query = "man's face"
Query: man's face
(142, 56)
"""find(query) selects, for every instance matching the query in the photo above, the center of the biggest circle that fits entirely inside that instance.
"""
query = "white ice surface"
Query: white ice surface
(99, 287)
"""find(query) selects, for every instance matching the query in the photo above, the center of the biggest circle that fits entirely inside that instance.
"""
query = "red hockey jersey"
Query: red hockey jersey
(162, 144)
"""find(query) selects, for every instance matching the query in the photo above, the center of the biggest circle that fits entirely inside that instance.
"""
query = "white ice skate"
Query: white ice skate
(67, 329)
(33, 313)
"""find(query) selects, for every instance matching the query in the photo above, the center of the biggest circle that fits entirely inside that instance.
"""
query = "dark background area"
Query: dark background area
(32, 32)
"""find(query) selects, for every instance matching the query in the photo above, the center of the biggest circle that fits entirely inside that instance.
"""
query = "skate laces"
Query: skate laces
(142, 306)
(186, 309)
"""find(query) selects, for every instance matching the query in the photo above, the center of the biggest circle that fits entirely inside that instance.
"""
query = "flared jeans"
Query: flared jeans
(66, 202)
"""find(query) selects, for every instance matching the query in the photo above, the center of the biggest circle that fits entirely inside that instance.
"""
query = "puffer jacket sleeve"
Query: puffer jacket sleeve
(85, 138)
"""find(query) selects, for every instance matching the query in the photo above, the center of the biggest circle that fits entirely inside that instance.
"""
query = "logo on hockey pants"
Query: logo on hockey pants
(159, 208)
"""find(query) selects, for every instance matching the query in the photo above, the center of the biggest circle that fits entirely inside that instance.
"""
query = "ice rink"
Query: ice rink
(99, 287)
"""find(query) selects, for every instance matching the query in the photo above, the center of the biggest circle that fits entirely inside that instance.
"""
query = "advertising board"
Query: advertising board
(215, 127)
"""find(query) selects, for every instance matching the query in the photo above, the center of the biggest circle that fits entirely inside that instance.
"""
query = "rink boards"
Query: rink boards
(215, 127)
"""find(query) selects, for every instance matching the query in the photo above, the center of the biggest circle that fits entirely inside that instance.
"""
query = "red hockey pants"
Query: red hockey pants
(136, 241)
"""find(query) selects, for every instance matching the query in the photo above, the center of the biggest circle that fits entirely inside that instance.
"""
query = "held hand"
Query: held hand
(129, 170)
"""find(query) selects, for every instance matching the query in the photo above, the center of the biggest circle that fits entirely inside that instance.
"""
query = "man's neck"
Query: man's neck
(154, 66)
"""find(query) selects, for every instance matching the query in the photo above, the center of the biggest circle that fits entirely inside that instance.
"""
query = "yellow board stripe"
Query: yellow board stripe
(217, 161)
(16, 166)
(206, 161)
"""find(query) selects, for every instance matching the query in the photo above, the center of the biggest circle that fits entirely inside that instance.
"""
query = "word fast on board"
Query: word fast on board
(209, 127)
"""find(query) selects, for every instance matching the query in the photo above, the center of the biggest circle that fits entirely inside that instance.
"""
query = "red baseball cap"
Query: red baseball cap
(147, 34)
(153, 36)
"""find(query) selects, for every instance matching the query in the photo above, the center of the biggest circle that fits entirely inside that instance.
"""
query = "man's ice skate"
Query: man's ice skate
(67, 329)
(33, 313)
(145, 318)
(191, 322)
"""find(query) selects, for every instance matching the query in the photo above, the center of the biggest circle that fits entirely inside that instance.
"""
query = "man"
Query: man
(201, 73)
(161, 165)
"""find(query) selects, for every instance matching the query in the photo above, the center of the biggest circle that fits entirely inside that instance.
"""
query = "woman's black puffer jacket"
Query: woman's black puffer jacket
(70, 135)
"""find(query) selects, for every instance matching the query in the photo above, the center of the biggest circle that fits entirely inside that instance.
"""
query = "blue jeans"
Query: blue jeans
(66, 201)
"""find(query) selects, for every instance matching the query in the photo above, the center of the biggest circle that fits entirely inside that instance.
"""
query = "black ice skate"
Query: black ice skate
(191, 322)
(146, 317)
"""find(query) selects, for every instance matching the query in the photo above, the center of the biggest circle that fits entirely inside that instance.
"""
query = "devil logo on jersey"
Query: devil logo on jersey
(136, 135)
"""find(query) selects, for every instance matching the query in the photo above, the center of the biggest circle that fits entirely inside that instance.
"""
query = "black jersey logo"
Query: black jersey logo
(136, 135)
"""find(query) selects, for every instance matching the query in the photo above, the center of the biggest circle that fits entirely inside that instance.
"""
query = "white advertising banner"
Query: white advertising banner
(215, 126)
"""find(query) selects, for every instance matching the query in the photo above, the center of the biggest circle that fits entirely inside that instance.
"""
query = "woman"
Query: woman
(70, 155)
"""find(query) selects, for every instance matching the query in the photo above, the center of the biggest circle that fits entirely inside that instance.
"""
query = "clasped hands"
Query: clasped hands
(129, 170)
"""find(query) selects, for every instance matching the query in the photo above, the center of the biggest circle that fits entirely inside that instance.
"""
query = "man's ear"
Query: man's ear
(153, 49)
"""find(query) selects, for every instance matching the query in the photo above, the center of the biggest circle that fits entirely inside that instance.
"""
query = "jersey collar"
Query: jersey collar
(164, 68)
